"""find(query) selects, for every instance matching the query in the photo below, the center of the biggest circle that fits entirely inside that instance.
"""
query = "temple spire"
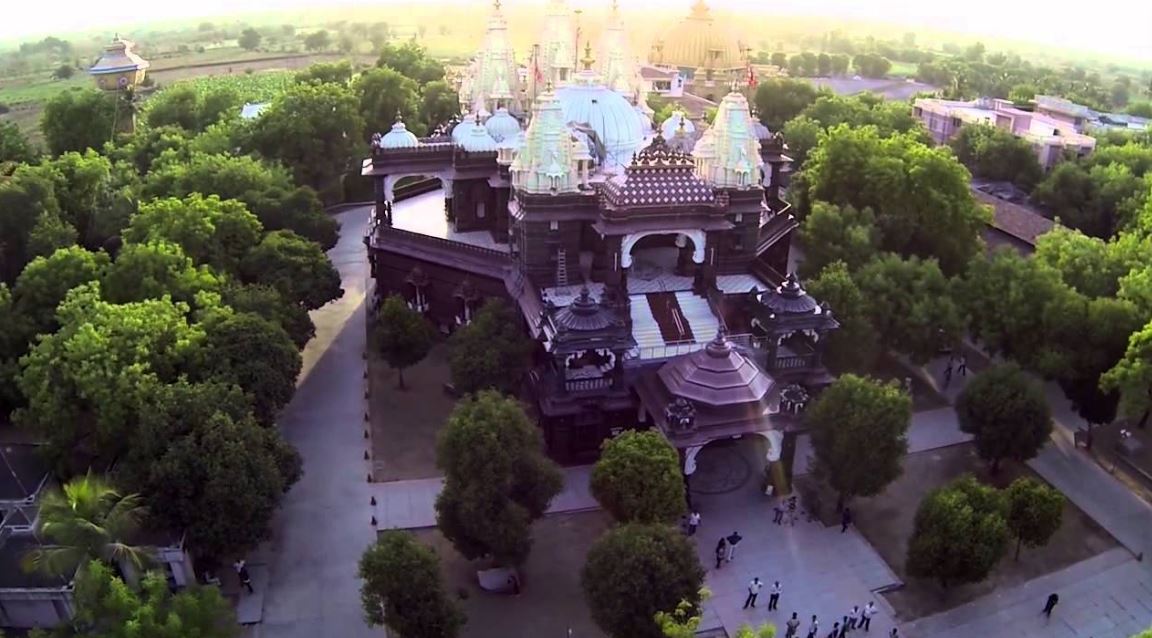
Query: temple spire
(588, 60)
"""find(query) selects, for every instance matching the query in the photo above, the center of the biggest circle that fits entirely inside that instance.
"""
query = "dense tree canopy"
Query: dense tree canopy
(855, 346)
(638, 478)
(834, 233)
(960, 533)
(45, 283)
(853, 414)
(496, 478)
(314, 129)
(95, 197)
(25, 200)
(635, 571)
(255, 354)
(997, 154)
(778, 100)
(192, 108)
(1131, 377)
(411, 60)
(402, 589)
(209, 231)
(490, 352)
(919, 194)
(910, 305)
(1006, 413)
(14, 147)
(294, 266)
(386, 94)
(79, 120)
(402, 336)
(156, 270)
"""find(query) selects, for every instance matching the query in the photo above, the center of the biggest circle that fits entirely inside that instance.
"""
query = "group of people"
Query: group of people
(857, 618)
(961, 363)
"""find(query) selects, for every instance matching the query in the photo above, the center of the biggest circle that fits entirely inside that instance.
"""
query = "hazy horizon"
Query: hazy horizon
(1061, 24)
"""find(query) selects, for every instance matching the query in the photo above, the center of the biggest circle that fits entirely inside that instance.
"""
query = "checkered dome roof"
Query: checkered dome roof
(659, 176)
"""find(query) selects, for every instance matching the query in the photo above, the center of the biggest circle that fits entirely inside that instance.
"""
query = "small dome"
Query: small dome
(706, 146)
(463, 128)
(789, 299)
(502, 125)
(605, 111)
(477, 139)
(718, 375)
(399, 137)
(585, 314)
(761, 131)
(673, 123)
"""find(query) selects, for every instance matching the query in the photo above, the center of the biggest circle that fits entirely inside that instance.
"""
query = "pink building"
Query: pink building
(1054, 129)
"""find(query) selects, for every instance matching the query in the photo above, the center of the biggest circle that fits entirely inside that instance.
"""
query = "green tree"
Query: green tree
(490, 352)
(638, 478)
(402, 589)
(154, 271)
(802, 134)
(106, 607)
(1090, 265)
(249, 39)
(314, 129)
(318, 40)
(853, 414)
(14, 146)
(176, 106)
(210, 231)
(88, 520)
(78, 120)
(64, 72)
(855, 346)
(46, 281)
(635, 571)
(1094, 199)
(402, 336)
(85, 383)
(959, 535)
(96, 198)
(255, 354)
(899, 178)
(439, 102)
(294, 266)
(833, 233)
(267, 302)
(1131, 377)
(871, 65)
(386, 94)
(997, 154)
(911, 306)
(1035, 511)
(779, 59)
(221, 483)
(24, 200)
(411, 60)
(496, 479)
(778, 100)
(1006, 413)
(327, 72)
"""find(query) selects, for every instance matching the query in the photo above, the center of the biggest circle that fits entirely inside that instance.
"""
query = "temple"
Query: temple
(649, 263)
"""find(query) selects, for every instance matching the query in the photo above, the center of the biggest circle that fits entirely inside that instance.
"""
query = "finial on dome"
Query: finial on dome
(588, 60)
(399, 117)
(496, 5)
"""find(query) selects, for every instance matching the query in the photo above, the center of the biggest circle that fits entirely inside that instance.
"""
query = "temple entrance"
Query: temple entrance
(737, 468)
(662, 261)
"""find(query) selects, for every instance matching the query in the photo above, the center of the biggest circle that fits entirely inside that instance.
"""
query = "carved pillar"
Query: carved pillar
(449, 210)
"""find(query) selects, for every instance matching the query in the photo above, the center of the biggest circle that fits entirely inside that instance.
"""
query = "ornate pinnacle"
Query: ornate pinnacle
(588, 60)
(399, 117)
(496, 5)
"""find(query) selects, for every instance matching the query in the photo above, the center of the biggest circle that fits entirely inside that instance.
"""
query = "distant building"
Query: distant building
(663, 82)
(1014, 223)
(29, 600)
(708, 54)
(1054, 132)
(119, 69)
(252, 111)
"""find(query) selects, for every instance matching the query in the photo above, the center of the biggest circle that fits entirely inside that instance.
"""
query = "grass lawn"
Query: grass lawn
(405, 423)
(551, 602)
(903, 69)
(887, 521)
(39, 87)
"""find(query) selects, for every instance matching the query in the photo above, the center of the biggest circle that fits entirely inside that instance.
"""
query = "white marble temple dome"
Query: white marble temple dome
(399, 137)
(605, 111)
(502, 125)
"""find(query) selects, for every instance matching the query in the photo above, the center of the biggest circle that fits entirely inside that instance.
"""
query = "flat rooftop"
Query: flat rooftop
(424, 214)
(22, 470)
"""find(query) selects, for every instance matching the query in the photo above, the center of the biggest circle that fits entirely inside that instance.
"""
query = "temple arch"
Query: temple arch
(697, 236)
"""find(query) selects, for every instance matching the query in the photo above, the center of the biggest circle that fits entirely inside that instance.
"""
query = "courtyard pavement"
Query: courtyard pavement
(323, 525)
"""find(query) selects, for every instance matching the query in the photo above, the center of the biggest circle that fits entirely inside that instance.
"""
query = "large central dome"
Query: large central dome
(611, 116)
(698, 44)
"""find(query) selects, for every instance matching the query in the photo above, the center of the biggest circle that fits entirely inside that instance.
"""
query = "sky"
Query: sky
(1123, 29)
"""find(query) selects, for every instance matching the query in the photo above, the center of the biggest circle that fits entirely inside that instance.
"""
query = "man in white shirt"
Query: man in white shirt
(866, 615)
(853, 617)
(774, 596)
(693, 523)
(753, 592)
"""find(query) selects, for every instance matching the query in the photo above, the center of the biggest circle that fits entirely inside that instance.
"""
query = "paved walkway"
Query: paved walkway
(322, 526)
(411, 504)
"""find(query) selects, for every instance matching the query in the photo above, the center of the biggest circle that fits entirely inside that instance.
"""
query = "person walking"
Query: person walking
(693, 523)
(753, 592)
(895, 633)
(866, 615)
(774, 596)
(853, 617)
(721, 552)
(813, 628)
(792, 511)
(835, 633)
(962, 367)
(778, 515)
(843, 627)
(242, 572)
(948, 373)
(1050, 605)
(792, 626)
(733, 540)
(845, 519)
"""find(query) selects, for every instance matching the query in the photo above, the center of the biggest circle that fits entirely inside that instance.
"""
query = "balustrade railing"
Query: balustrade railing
(383, 232)
(588, 385)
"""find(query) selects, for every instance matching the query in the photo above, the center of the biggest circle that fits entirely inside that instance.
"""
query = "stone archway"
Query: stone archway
(697, 236)
(730, 470)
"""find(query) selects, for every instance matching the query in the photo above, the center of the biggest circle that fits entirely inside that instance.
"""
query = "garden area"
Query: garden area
(888, 520)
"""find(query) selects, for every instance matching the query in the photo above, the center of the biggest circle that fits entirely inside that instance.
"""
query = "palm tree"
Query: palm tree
(87, 520)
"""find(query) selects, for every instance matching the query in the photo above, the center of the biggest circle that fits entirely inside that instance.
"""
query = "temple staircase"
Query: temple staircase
(645, 330)
(669, 323)
(701, 320)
